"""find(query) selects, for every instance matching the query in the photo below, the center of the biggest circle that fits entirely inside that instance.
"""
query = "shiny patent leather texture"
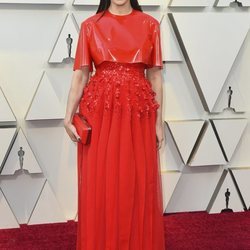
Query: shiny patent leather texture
(130, 38)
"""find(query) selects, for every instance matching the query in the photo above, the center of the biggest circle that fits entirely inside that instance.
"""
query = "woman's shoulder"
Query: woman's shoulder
(91, 18)
(147, 17)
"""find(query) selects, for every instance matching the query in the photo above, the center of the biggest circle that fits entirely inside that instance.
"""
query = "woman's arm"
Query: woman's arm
(154, 75)
(79, 80)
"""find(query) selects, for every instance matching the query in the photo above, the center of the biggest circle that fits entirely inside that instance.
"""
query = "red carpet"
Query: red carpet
(197, 230)
(200, 230)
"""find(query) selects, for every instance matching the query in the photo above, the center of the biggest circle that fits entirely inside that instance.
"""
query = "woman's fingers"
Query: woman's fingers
(71, 131)
(159, 143)
(160, 137)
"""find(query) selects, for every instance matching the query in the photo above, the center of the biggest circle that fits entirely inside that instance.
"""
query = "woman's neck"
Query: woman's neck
(120, 10)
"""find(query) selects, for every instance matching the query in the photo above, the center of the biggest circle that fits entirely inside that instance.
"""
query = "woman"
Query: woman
(119, 187)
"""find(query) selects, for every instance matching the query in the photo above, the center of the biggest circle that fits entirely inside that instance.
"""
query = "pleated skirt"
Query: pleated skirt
(119, 182)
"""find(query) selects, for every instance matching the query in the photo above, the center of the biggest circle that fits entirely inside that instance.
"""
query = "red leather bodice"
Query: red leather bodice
(131, 38)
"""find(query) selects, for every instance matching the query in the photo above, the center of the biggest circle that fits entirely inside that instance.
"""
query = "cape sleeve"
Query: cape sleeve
(156, 54)
(82, 55)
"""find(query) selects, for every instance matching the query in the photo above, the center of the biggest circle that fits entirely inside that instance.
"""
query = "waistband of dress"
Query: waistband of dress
(121, 67)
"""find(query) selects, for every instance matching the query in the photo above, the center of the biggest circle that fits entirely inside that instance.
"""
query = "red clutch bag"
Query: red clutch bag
(83, 128)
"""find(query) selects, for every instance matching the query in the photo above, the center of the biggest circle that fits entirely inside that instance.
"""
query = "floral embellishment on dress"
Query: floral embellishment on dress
(121, 87)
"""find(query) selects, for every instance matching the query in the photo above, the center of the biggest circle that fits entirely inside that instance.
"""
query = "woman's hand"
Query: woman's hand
(71, 131)
(159, 135)
(79, 79)
(155, 77)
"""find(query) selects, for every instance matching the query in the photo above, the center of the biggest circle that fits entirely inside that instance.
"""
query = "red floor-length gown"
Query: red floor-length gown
(119, 185)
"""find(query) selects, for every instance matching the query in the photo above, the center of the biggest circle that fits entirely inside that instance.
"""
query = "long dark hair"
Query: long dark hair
(104, 5)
